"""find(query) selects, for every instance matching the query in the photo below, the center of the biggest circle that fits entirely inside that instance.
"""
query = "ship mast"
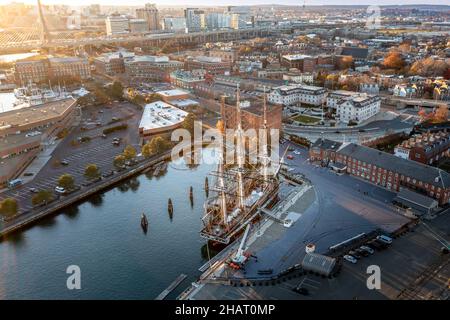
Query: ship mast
(265, 155)
(223, 200)
(239, 151)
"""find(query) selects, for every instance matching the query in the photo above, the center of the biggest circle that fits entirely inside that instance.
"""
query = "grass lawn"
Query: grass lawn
(305, 119)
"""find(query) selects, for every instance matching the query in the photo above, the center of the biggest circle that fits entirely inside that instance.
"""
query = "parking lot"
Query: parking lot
(412, 267)
(98, 150)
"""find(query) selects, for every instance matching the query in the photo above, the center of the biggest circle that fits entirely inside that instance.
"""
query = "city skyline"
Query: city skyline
(176, 150)
(233, 2)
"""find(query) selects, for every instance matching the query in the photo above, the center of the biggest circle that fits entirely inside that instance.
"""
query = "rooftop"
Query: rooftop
(291, 57)
(407, 168)
(159, 114)
(26, 116)
(172, 93)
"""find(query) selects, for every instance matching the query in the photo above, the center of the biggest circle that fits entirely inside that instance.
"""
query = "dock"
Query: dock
(171, 287)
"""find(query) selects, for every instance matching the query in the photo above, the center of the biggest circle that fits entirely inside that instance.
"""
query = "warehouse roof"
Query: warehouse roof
(318, 263)
(405, 167)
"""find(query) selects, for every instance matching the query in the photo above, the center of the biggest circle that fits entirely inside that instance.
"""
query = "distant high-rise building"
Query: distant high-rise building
(175, 23)
(195, 19)
(150, 14)
(241, 17)
(138, 25)
(94, 9)
(212, 20)
(116, 24)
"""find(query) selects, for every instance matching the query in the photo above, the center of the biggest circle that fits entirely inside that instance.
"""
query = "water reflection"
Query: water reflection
(96, 200)
(71, 212)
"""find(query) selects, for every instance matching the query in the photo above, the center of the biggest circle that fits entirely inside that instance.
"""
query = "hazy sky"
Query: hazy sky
(233, 2)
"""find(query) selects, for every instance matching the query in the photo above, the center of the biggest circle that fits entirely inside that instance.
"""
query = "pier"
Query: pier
(171, 287)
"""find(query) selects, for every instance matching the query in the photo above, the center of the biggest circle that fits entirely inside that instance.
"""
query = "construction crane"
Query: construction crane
(241, 257)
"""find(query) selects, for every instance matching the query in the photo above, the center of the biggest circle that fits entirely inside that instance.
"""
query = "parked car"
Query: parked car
(290, 156)
(377, 245)
(104, 136)
(354, 254)
(385, 238)
(350, 259)
(368, 249)
(34, 190)
(291, 149)
(108, 174)
(301, 290)
(60, 190)
(28, 174)
(361, 252)
(64, 162)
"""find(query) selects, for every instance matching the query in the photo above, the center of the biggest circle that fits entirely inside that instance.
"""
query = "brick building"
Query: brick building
(64, 67)
(37, 71)
(212, 65)
(391, 172)
(34, 71)
(324, 150)
(427, 148)
(252, 117)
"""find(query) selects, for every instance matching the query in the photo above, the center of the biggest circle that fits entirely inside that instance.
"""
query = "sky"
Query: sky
(234, 2)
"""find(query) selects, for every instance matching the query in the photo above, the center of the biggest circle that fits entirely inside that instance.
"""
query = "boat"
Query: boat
(144, 222)
(239, 192)
(31, 95)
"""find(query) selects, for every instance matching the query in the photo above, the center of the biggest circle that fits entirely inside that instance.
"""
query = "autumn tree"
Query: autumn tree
(155, 146)
(188, 123)
(393, 60)
(8, 207)
(42, 197)
(129, 152)
(91, 171)
(429, 67)
(441, 114)
(66, 181)
(119, 161)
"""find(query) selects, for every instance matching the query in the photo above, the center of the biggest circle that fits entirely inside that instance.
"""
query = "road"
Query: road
(370, 131)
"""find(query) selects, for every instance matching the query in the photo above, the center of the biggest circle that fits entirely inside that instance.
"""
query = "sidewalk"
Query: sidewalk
(39, 162)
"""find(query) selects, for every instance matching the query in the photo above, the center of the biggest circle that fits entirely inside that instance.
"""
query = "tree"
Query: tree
(155, 146)
(429, 67)
(91, 171)
(8, 207)
(441, 114)
(117, 90)
(393, 60)
(66, 181)
(129, 152)
(43, 196)
(188, 122)
(119, 161)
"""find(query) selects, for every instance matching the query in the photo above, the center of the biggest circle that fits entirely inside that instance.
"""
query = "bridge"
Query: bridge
(25, 40)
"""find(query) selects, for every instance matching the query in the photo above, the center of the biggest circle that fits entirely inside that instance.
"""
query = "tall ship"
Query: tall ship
(240, 190)
(31, 95)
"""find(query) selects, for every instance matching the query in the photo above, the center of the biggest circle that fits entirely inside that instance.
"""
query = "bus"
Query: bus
(14, 183)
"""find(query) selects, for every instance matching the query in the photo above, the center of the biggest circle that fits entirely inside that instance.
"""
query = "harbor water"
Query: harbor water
(104, 238)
